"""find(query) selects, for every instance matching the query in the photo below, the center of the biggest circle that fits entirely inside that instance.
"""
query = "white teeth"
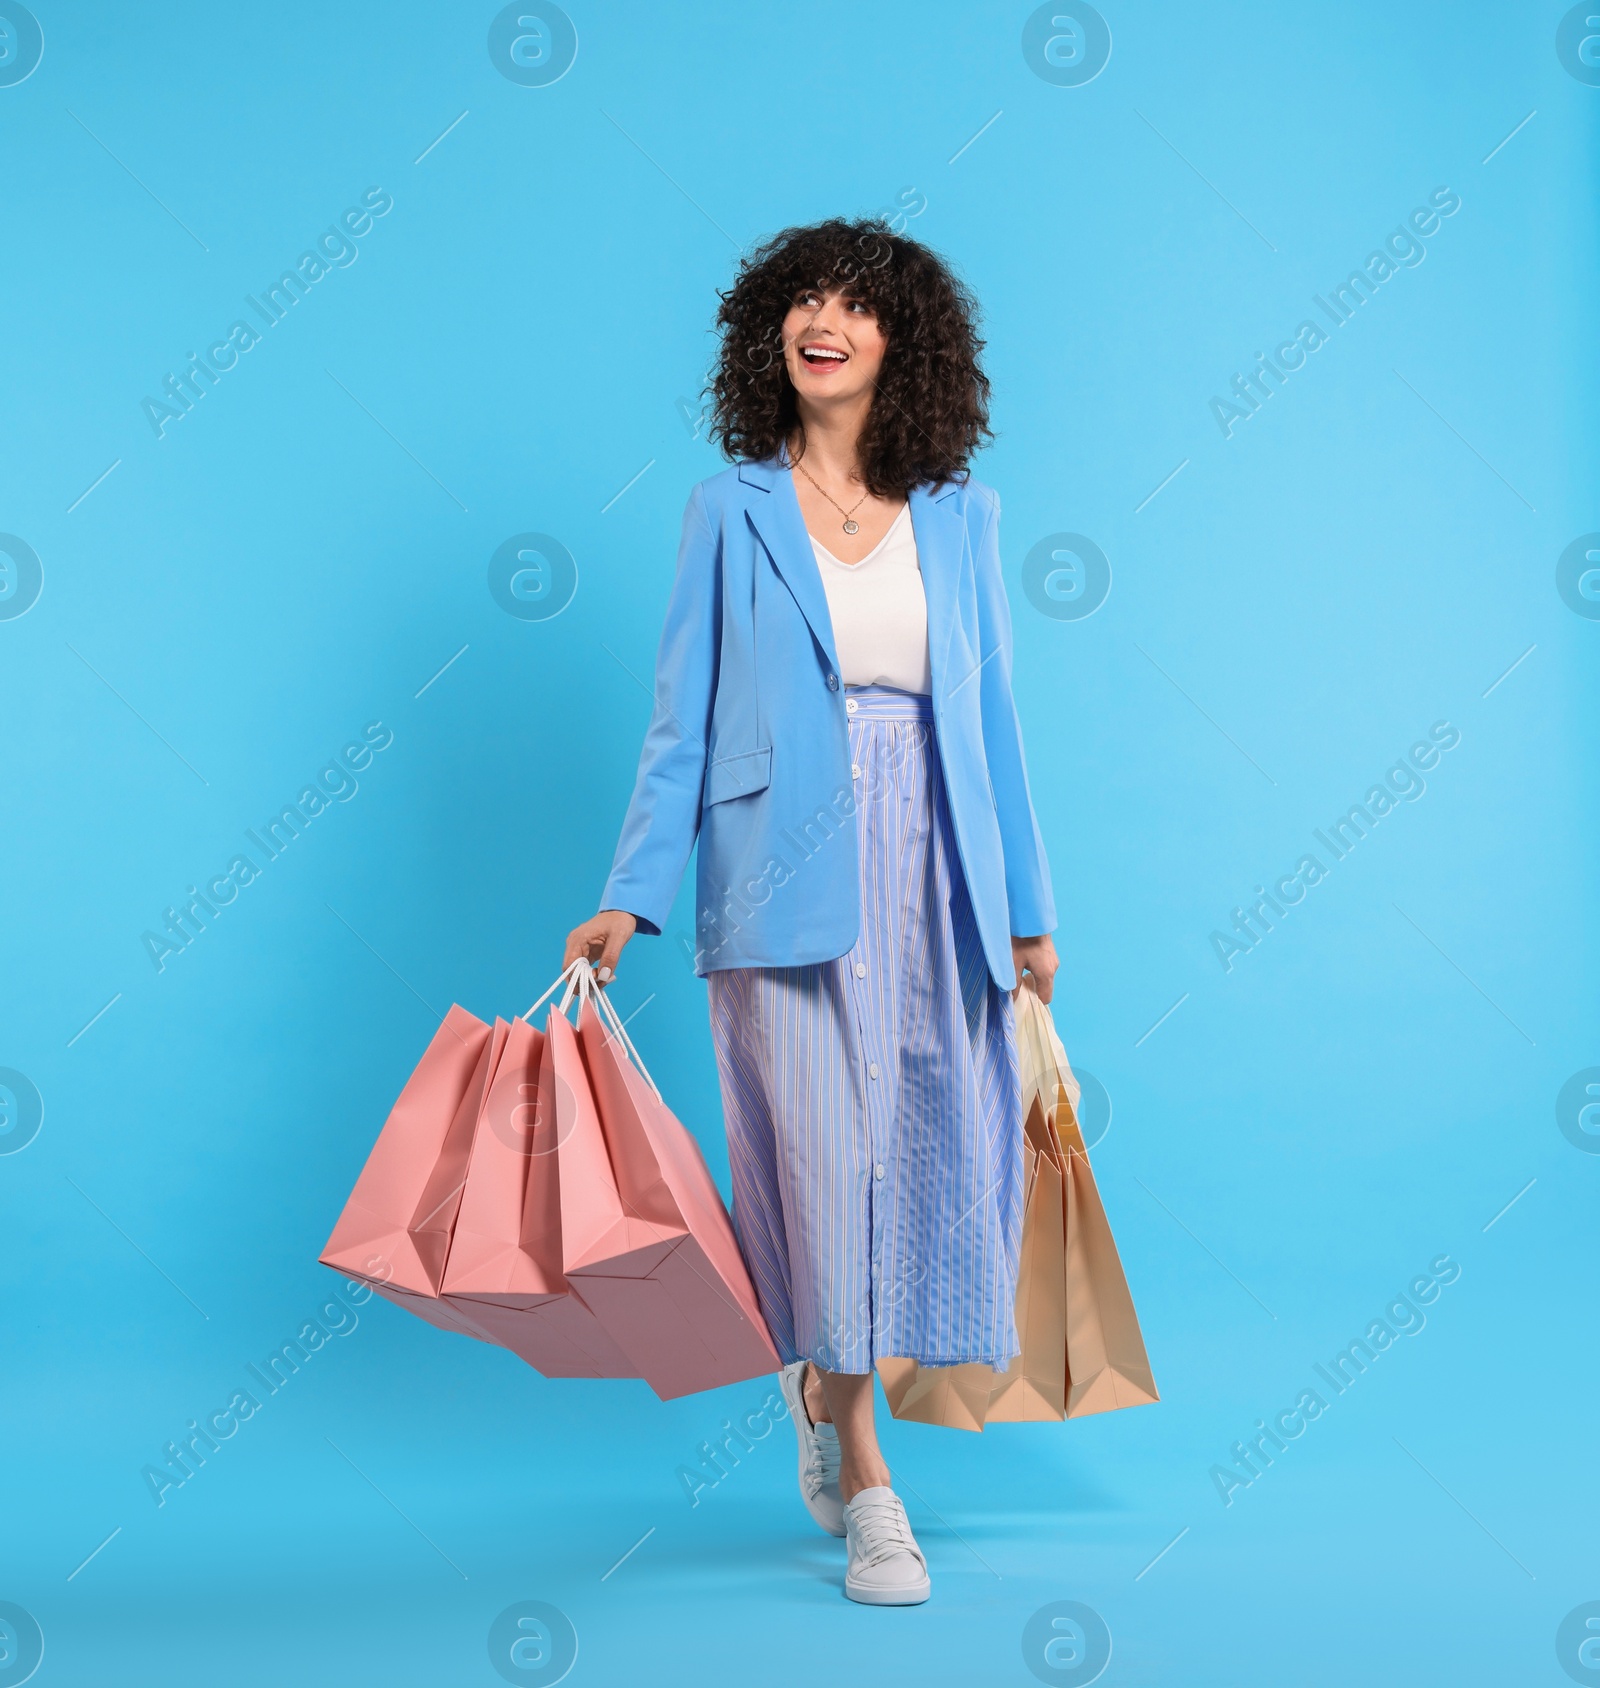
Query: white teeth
(823, 352)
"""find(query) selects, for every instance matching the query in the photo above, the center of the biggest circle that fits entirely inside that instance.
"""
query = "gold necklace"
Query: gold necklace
(849, 526)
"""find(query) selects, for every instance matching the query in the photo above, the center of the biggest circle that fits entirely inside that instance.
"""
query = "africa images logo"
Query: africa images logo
(533, 1643)
(1066, 43)
(1066, 576)
(532, 44)
(1402, 784)
(21, 1644)
(1578, 576)
(21, 47)
(1402, 1316)
(335, 248)
(21, 577)
(1403, 249)
(336, 782)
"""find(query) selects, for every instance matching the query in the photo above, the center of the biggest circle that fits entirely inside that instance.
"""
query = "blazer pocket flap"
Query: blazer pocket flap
(738, 776)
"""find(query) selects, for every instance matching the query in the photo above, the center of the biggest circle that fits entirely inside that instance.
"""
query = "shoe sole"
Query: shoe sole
(912, 1596)
(796, 1405)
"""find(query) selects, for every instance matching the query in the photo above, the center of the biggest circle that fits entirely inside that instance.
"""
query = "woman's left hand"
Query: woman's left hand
(1038, 957)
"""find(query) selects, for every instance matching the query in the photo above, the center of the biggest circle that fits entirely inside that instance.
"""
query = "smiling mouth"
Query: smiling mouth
(823, 357)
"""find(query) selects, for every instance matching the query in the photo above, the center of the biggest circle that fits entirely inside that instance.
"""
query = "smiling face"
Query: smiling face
(832, 347)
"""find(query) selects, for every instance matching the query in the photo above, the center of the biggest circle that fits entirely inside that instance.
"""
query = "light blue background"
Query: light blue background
(297, 557)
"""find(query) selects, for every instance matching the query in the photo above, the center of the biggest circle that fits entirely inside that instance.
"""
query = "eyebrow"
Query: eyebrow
(854, 295)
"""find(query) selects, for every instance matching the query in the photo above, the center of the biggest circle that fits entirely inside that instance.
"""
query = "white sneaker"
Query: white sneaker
(886, 1565)
(819, 1454)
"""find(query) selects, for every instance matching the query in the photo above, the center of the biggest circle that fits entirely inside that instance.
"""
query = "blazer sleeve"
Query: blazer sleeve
(663, 818)
(1028, 890)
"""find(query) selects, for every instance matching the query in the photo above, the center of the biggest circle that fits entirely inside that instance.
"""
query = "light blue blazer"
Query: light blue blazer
(748, 746)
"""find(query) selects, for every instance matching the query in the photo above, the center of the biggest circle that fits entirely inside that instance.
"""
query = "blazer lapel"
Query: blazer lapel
(941, 537)
(774, 513)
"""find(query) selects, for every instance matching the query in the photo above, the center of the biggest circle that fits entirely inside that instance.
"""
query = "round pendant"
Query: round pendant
(852, 527)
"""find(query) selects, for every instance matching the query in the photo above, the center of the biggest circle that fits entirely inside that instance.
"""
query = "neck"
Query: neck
(833, 435)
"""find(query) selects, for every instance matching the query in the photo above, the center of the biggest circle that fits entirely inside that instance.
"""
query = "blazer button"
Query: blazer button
(833, 682)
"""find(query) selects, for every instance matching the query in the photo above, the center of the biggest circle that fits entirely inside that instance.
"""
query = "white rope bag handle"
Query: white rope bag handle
(579, 981)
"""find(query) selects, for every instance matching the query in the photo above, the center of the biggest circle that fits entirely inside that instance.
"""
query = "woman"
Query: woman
(834, 721)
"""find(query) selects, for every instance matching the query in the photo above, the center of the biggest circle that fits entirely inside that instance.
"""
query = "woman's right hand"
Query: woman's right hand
(600, 940)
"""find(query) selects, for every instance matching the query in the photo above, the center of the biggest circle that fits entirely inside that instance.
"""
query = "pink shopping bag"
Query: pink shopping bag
(646, 1241)
(504, 1269)
(396, 1227)
(533, 1191)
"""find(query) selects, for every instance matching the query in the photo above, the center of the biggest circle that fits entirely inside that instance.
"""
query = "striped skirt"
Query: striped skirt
(872, 1102)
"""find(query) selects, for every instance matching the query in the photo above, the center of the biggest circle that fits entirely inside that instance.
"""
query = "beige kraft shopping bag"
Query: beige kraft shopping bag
(1034, 1386)
(1107, 1366)
(1081, 1348)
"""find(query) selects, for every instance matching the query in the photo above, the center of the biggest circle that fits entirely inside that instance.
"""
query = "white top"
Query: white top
(879, 611)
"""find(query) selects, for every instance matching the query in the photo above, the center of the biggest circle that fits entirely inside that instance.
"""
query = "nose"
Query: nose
(829, 314)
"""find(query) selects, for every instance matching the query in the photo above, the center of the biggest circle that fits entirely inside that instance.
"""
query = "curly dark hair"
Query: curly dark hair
(931, 408)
